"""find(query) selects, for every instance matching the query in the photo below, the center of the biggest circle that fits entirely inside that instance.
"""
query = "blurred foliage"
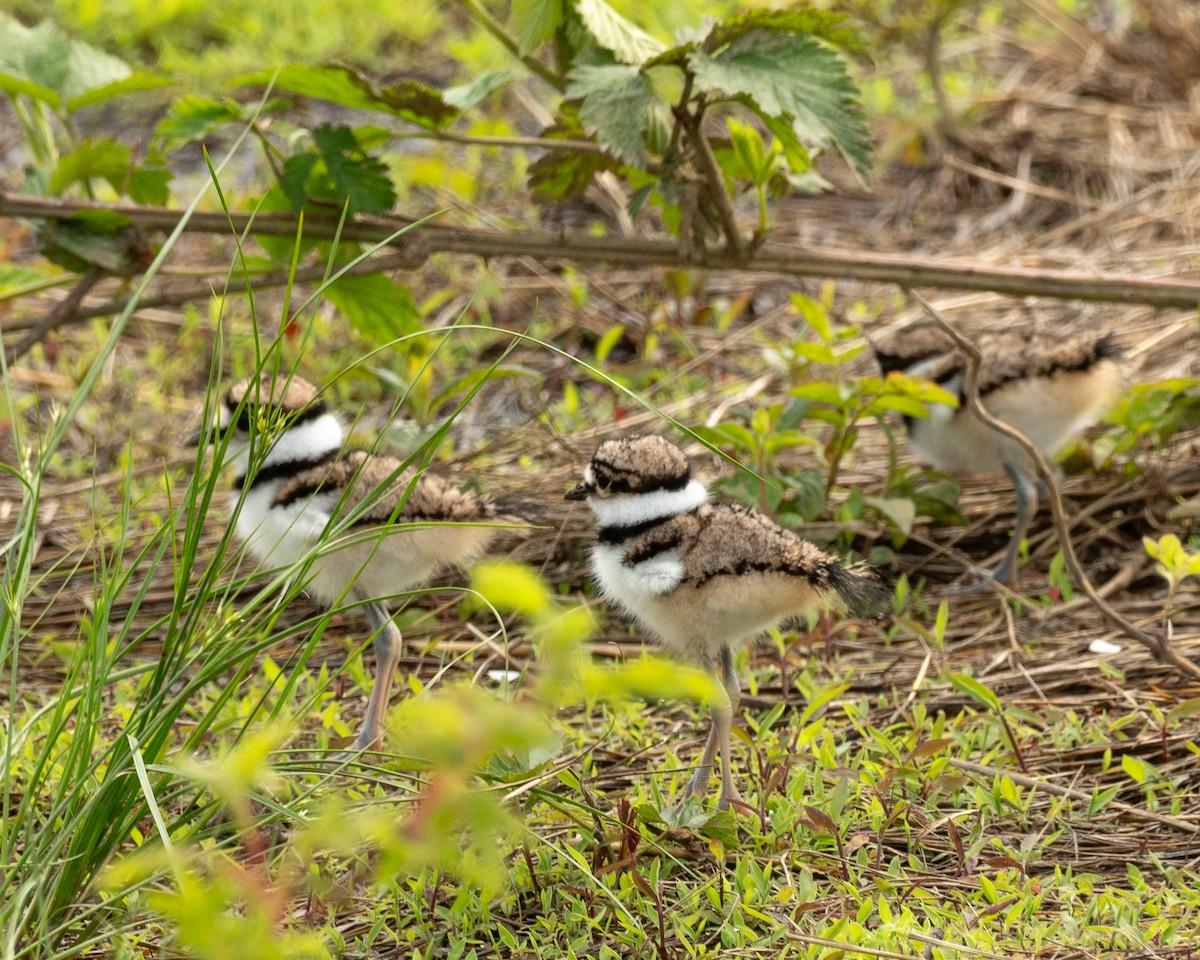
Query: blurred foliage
(825, 392)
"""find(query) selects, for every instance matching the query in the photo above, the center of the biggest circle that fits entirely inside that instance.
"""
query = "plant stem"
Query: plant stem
(493, 26)
(555, 247)
(711, 171)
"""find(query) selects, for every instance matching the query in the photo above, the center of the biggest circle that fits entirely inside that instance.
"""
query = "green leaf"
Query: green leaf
(294, 178)
(820, 391)
(134, 83)
(90, 70)
(340, 171)
(14, 278)
(1181, 711)
(897, 403)
(105, 159)
(466, 96)
(376, 306)
(409, 100)
(975, 690)
(562, 174)
(901, 511)
(34, 60)
(750, 149)
(1101, 799)
(194, 118)
(534, 22)
(813, 313)
(833, 28)
(780, 75)
(626, 41)
(815, 352)
(111, 161)
(820, 698)
(361, 179)
(616, 105)
(78, 244)
(1136, 768)
(149, 184)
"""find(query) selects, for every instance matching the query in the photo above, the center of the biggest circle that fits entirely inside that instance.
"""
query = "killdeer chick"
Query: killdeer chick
(1048, 387)
(411, 524)
(703, 576)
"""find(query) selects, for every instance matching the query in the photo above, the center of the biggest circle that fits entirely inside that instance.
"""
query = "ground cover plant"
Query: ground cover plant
(1000, 775)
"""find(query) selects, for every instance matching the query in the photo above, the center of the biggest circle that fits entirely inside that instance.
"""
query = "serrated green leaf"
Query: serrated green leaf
(358, 178)
(468, 94)
(91, 70)
(833, 28)
(409, 100)
(780, 75)
(376, 306)
(293, 178)
(534, 22)
(626, 41)
(34, 60)
(134, 83)
(616, 105)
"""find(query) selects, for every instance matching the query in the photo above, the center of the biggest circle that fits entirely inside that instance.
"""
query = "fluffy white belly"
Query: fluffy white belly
(368, 561)
(1049, 411)
(634, 586)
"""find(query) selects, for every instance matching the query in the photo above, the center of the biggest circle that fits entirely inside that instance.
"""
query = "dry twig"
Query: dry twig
(776, 258)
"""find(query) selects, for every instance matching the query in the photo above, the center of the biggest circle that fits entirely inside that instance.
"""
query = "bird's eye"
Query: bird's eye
(603, 483)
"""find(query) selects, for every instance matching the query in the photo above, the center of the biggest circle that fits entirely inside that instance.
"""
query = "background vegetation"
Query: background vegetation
(974, 777)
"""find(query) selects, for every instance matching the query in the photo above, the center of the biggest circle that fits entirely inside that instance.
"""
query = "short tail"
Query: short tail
(1107, 348)
(859, 587)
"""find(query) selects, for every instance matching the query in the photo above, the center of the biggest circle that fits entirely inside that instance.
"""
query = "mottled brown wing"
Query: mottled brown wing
(1007, 356)
(360, 475)
(732, 539)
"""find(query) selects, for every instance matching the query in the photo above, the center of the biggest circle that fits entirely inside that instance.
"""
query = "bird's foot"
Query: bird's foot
(732, 798)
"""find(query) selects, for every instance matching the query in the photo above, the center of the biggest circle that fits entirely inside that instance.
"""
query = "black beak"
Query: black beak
(581, 491)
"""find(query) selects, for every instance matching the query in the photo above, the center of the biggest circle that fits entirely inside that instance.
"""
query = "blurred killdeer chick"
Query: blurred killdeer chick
(412, 523)
(703, 576)
(1048, 387)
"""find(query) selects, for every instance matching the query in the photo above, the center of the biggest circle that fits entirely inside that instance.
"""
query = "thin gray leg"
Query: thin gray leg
(719, 735)
(388, 647)
(698, 785)
(733, 692)
(1026, 495)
